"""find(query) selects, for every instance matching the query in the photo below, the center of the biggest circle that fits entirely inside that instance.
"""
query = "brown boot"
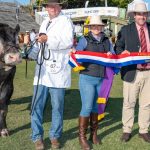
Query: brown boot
(55, 144)
(93, 128)
(83, 126)
(39, 145)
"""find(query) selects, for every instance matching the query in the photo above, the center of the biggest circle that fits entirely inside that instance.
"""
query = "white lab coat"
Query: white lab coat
(60, 40)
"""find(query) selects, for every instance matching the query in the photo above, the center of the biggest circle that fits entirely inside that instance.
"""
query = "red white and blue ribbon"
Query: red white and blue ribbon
(115, 61)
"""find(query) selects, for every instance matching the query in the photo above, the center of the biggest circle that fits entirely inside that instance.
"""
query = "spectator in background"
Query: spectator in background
(26, 38)
(108, 32)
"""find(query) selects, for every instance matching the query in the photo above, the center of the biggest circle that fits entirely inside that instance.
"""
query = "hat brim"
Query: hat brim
(131, 13)
(63, 4)
(88, 25)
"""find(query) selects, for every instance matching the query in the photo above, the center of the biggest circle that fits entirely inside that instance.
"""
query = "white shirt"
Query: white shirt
(60, 40)
(32, 36)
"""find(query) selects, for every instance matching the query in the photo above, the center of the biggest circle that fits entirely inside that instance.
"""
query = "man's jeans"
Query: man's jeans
(57, 102)
(89, 88)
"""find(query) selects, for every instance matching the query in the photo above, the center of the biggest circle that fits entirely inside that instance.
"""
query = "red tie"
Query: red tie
(143, 43)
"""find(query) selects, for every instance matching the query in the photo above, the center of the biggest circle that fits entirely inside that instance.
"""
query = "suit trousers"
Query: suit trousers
(138, 89)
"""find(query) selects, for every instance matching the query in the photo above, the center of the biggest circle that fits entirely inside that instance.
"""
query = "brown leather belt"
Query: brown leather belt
(143, 69)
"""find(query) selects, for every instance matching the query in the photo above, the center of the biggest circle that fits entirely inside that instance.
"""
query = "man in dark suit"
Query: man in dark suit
(135, 37)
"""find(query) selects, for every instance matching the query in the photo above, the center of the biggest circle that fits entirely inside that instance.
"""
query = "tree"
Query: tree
(96, 3)
(119, 3)
(93, 3)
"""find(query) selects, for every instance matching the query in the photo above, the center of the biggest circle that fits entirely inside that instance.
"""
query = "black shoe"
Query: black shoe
(126, 137)
(145, 137)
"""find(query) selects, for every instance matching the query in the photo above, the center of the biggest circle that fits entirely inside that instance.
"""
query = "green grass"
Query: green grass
(18, 119)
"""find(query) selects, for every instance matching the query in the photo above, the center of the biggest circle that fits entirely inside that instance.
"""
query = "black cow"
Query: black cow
(9, 57)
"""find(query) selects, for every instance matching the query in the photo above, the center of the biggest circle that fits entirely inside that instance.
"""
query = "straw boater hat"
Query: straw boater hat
(138, 7)
(61, 3)
(95, 20)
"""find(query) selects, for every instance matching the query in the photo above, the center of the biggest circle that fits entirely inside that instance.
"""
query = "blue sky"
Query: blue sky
(24, 1)
(148, 1)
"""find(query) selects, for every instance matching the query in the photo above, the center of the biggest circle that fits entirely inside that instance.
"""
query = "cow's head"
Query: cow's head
(9, 45)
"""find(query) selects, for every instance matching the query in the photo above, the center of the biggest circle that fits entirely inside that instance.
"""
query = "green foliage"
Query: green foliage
(92, 3)
(39, 2)
(119, 3)
(95, 3)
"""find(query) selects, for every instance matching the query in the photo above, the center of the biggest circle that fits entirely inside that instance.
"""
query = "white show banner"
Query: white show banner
(81, 12)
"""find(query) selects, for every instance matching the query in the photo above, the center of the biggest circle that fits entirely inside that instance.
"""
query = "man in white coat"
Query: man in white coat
(55, 73)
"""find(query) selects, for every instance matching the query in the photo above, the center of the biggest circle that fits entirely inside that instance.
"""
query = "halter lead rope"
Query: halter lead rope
(40, 63)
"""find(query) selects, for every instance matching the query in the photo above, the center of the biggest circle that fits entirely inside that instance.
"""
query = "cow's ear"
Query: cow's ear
(17, 28)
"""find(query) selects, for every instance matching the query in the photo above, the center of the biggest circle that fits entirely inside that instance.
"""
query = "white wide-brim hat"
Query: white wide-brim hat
(138, 7)
(95, 20)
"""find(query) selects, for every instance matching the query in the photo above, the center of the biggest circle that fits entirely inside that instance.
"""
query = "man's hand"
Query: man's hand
(126, 52)
(73, 50)
(42, 38)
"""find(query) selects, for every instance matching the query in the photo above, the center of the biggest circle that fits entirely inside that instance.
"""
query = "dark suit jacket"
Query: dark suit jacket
(128, 39)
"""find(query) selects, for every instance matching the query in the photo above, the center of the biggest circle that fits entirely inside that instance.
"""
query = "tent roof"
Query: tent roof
(8, 16)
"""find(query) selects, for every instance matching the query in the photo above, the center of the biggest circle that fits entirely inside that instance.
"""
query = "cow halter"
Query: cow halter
(10, 47)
